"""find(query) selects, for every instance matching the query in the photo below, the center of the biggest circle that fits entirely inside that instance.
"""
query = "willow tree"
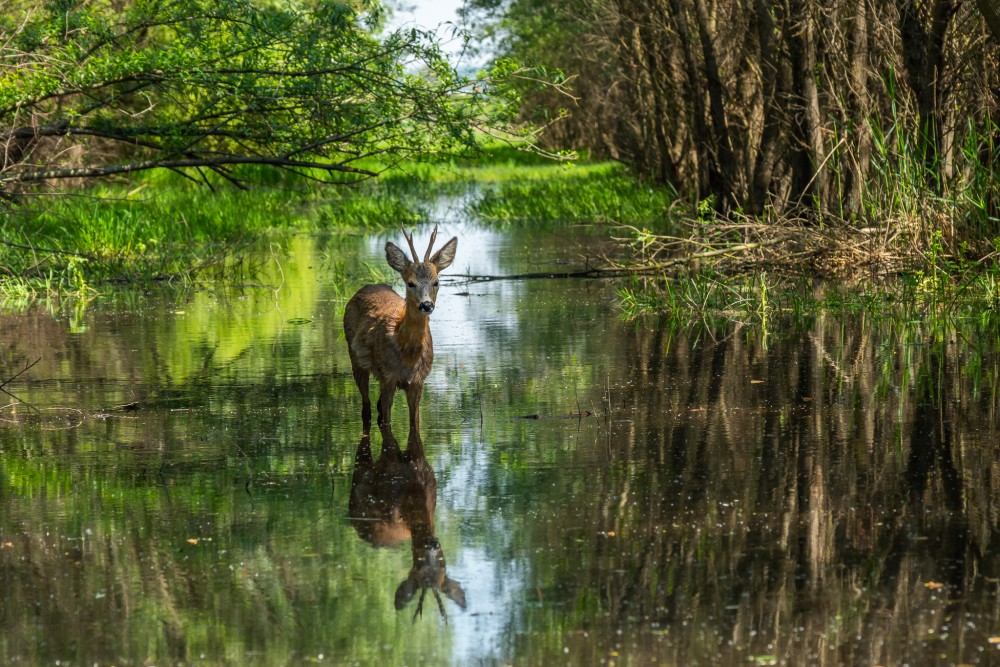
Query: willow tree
(91, 89)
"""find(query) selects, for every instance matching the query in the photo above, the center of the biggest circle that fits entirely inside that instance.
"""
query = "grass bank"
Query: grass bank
(162, 228)
(909, 235)
(684, 260)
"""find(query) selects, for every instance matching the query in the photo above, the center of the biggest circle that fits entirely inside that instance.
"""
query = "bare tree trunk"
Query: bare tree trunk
(722, 174)
(923, 32)
(811, 174)
(859, 109)
(696, 100)
(775, 82)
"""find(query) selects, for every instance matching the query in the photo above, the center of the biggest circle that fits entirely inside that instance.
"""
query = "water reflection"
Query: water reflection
(393, 500)
(827, 494)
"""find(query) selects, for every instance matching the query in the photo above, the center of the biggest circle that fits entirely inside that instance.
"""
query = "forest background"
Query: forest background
(847, 138)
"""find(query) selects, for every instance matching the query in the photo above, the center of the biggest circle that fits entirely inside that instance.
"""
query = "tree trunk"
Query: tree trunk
(774, 84)
(695, 106)
(722, 175)
(812, 179)
(859, 108)
(923, 33)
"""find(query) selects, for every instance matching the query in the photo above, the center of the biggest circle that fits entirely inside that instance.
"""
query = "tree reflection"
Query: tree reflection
(392, 500)
(829, 498)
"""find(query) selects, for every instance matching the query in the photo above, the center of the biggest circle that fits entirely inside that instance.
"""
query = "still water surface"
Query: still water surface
(176, 486)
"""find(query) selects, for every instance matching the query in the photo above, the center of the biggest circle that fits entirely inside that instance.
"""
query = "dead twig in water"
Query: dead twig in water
(606, 272)
(576, 415)
(631, 270)
(19, 374)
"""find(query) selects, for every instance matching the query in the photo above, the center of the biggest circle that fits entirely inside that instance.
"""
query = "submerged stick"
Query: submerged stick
(19, 374)
(619, 271)
(9, 380)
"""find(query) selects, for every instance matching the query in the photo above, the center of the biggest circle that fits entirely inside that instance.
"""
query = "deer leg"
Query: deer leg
(363, 456)
(413, 393)
(386, 395)
(361, 376)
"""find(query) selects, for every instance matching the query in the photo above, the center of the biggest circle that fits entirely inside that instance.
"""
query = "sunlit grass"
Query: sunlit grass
(720, 301)
(162, 227)
(602, 194)
(168, 230)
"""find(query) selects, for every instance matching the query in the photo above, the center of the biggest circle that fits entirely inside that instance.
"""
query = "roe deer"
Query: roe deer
(391, 336)
(394, 499)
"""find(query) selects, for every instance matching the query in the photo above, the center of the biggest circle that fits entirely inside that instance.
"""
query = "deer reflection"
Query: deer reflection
(393, 499)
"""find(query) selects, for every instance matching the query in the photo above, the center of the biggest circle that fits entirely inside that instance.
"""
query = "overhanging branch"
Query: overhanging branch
(111, 170)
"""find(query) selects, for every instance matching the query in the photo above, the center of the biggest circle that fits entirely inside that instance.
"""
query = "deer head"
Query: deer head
(421, 277)
(429, 571)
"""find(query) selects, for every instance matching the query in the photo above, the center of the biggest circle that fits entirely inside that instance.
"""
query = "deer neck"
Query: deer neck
(421, 534)
(412, 331)
(418, 506)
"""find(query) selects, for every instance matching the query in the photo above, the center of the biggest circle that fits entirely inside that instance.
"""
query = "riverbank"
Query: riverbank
(678, 258)
(163, 229)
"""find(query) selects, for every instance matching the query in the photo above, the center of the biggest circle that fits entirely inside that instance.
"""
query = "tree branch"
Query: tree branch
(110, 170)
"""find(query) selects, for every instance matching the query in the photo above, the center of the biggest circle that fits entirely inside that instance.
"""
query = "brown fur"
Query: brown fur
(390, 336)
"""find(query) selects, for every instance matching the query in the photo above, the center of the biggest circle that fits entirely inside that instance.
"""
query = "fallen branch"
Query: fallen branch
(11, 379)
(708, 254)
(629, 270)
(602, 272)
(225, 161)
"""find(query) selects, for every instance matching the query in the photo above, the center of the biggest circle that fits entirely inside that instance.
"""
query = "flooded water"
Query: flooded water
(183, 480)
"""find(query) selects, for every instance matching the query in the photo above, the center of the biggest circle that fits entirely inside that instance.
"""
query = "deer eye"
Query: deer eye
(435, 283)
(411, 285)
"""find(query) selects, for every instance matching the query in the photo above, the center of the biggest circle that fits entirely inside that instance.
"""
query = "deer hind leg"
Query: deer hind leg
(413, 393)
(361, 376)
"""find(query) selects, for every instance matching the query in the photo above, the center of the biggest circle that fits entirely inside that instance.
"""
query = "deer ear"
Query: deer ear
(454, 592)
(396, 257)
(404, 593)
(443, 258)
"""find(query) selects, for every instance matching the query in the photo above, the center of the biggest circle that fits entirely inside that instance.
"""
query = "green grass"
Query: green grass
(161, 227)
(719, 303)
(72, 245)
(592, 193)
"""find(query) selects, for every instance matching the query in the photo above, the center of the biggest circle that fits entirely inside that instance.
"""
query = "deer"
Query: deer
(390, 335)
(393, 499)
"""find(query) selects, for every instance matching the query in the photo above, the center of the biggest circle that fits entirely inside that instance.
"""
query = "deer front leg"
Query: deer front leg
(413, 394)
(361, 377)
(386, 395)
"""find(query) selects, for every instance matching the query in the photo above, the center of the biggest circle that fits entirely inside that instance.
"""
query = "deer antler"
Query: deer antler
(419, 611)
(444, 614)
(409, 239)
(430, 246)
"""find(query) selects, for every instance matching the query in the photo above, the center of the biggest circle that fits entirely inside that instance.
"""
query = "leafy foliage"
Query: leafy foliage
(200, 86)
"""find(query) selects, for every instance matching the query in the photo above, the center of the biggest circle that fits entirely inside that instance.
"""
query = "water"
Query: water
(176, 487)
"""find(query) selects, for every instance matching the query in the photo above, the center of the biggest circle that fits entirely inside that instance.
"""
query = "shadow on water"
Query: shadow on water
(827, 493)
(393, 500)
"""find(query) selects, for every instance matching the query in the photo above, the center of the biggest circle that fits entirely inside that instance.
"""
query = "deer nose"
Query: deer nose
(426, 307)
